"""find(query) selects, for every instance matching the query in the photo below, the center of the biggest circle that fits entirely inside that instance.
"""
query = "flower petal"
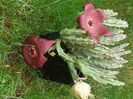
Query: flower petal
(88, 6)
(27, 57)
(82, 22)
(44, 45)
(101, 14)
(104, 31)
(95, 40)
(41, 61)
(29, 43)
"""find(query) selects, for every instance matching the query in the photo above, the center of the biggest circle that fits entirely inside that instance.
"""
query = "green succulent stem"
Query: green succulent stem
(68, 59)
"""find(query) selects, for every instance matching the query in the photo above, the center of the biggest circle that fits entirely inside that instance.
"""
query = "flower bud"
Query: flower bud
(81, 90)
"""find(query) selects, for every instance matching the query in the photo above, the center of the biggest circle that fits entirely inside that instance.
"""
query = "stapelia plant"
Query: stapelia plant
(100, 62)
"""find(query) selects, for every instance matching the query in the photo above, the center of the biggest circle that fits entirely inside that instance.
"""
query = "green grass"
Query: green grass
(20, 18)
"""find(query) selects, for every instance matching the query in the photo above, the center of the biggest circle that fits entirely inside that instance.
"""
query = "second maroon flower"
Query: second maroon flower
(91, 21)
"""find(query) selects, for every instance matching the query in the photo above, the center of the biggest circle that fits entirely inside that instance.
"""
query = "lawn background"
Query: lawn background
(21, 18)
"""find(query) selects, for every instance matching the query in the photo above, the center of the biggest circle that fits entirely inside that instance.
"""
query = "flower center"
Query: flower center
(32, 51)
(90, 23)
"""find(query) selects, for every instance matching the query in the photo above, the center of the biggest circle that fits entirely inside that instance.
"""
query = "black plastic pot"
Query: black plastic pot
(56, 69)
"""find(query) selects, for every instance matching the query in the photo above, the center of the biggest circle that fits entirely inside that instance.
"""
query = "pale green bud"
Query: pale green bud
(81, 90)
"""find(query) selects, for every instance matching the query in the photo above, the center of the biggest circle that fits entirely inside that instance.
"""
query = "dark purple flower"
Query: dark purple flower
(91, 21)
(34, 49)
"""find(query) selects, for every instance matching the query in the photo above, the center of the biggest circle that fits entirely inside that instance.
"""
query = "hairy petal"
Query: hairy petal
(88, 6)
(101, 14)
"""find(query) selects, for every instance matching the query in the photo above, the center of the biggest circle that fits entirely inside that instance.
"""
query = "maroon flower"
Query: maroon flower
(34, 49)
(91, 21)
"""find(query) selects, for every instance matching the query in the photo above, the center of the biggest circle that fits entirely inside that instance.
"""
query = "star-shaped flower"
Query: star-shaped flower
(91, 21)
(34, 49)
